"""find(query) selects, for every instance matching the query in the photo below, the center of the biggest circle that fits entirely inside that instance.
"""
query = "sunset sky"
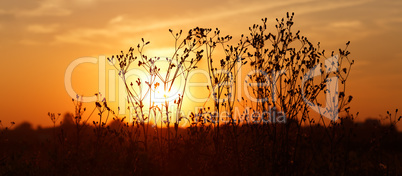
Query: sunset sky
(39, 39)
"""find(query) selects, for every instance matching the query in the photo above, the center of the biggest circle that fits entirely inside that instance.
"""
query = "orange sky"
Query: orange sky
(39, 39)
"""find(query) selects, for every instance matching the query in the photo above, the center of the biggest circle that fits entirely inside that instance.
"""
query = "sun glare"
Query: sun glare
(160, 95)
(158, 91)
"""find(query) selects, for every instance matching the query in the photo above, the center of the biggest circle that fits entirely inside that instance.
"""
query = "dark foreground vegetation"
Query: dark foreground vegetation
(346, 148)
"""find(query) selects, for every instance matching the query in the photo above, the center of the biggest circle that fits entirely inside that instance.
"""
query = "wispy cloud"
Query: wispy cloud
(37, 28)
(88, 37)
(346, 24)
(322, 6)
(29, 42)
(38, 9)
(120, 24)
(341, 26)
(116, 19)
(46, 8)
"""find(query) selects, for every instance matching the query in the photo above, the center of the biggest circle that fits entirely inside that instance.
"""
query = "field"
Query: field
(283, 149)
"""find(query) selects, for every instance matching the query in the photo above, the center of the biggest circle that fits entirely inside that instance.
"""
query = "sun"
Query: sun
(162, 94)
(160, 91)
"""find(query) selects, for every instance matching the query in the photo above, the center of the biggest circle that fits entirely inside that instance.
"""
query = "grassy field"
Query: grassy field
(346, 148)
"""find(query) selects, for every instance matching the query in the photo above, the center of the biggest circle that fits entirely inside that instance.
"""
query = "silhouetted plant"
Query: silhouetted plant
(3, 129)
(100, 126)
(186, 56)
(79, 123)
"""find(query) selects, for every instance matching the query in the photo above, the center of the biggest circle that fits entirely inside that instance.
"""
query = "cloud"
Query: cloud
(36, 28)
(84, 2)
(37, 9)
(41, 8)
(47, 8)
(29, 42)
(388, 24)
(116, 19)
(320, 6)
(120, 25)
(84, 37)
(346, 24)
(331, 31)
